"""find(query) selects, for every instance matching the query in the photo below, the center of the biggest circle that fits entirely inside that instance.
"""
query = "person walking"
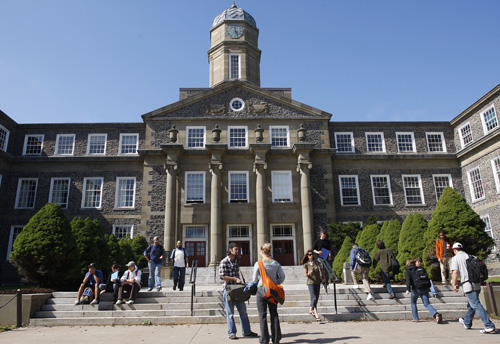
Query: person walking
(229, 272)
(179, 260)
(130, 282)
(154, 255)
(315, 276)
(322, 248)
(444, 253)
(471, 290)
(360, 262)
(383, 256)
(275, 272)
(418, 284)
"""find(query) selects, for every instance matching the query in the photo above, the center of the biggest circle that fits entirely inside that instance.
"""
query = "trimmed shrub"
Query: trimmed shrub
(338, 232)
(342, 257)
(138, 245)
(389, 234)
(115, 252)
(126, 250)
(411, 241)
(84, 237)
(367, 238)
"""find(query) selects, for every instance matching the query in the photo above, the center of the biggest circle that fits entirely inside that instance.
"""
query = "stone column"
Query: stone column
(215, 214)
(306, 205)
(170, 206)
(260, 204)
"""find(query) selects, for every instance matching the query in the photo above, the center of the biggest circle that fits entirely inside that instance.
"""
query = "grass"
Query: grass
(4, 328)
(493, 279)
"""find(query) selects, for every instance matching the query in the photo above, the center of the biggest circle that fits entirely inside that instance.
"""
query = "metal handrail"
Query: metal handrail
(215, 269)
(330, 276)
(192, 280)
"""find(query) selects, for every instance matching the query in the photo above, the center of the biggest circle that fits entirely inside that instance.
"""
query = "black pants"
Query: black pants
(314, 293)
(262, 305)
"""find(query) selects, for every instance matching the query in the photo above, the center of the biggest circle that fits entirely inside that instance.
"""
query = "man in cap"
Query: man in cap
(130, 282)
(91, 280)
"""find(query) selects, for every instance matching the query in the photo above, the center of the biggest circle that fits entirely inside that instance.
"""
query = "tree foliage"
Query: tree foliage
(342, 257)
(91, 243)
(389, 234)
(126, 249)
(338, 232)
(368, 237)
(115, 252)
(411, 241)
(139, 245)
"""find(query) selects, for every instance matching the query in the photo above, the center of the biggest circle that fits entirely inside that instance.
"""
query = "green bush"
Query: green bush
(411, 241)
(367, 238)
(45, 251)
(126, 250)
(389, 234)
(338, 232)
(139, 245)
(342, 257)
(91, 243)
(115, 252)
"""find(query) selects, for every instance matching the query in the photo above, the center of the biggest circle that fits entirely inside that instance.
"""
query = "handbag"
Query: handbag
(394, 264)
(236, 292)
(273, 292)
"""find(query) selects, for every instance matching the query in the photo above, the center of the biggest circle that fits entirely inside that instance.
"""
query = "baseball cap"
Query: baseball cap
(131, 263)
(457, 245)
(92, 265)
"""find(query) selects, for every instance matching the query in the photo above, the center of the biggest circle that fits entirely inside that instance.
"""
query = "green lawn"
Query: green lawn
(493, 279)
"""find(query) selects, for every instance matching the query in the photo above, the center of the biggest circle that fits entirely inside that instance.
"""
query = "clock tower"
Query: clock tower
(234, 52)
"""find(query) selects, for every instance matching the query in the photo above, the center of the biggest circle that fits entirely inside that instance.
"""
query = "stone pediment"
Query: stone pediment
(214, 103)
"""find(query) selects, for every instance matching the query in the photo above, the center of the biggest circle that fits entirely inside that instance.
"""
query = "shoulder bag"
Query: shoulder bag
(273, 292)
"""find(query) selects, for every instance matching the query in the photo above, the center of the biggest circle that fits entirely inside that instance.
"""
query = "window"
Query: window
(65, 143)
(282, 231)
(441, 182)
(413, 189)
(487, 228)
(4, 138)
(435, 143)
(238, 187)
(475, 184)
(195, 187)
(196, 232)
(97, 144)
(282, 186)
(59, 191)
(465, 134)
(279, 136)
(349, 190)
(495, 166)
(489, 119)
(195, 137)
(381, 188)
(125, 192)
(129, 143)
(239, 231)
(344, 142)
(375, 142)
(237, 104)
(238, 137)
(33, 145)
(14, 232)
(26, 193)
(234, 66)
(92, 192)
(406, 142)
(123, 231)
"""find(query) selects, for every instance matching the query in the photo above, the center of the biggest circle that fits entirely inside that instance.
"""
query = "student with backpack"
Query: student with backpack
(90, 286)
(360, 262)
(418, 284)
(179, 261)
(472, 272)
(384, 256)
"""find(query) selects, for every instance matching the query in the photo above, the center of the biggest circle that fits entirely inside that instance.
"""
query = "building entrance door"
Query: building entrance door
(283, 251)
(196, 250)
(244, 245)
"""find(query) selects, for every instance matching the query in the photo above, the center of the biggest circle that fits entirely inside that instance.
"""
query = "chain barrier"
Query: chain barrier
(2, 306)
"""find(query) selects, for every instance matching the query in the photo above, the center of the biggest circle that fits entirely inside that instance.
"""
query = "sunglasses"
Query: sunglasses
(309, 254)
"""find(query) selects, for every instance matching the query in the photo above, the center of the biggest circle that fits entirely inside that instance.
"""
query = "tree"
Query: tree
(139, 245)
(115, 252)
(84, 237)
(338, 232)
(342, 257)
(411, 241)
(45, 251)
(389, 234)
(461, 223)
(126, 250)
(368, 237)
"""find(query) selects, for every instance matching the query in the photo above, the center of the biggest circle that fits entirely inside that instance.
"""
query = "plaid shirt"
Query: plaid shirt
(230, 269)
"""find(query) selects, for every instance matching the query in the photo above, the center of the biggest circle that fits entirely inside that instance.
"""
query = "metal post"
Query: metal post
(19, 296)
(335, 296)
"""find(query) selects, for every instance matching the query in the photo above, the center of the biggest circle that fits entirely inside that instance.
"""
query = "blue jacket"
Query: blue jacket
(352, 258)
(154, 252)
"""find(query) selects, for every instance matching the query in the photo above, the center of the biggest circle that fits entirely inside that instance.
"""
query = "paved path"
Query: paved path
(377, 332)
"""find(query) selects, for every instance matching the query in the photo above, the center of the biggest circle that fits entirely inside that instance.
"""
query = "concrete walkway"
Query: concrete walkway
(377, 332)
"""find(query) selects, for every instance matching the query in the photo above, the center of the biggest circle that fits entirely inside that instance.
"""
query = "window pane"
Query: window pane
(239, 231)
(27, 193)
(282, 230)
(122, 231)
(238, 187)
(282, 186)
(476, 184)
(279, 137)
(374, 143)
(466, 135)
(405, 142)
(33, 145)
(435, 142)
(412, 190)
(196, 137)
(234, 66)
(92, 193)
(125, 192)
(60, 192)
(195, 185)
(4, 136)
(441, 183)
(381, 190)
(65, 144)
(129, 144)
(490, 119)
(193, 232)
(349, 190)
(237, 137)
(97, 144)
(344, 142)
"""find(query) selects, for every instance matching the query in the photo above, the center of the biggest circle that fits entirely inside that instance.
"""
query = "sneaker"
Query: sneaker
(77, 302)
(174, 287)
(119, 302)
(149, 289)
(461, 320)
(392, 296)
(370, 297)
(439, 318)
(435, 295)
(130, 302)
(415, 320)
(356, 286)
(487, 330)
(233, 336)
(94, 302)
(251, 334)
(158, 289)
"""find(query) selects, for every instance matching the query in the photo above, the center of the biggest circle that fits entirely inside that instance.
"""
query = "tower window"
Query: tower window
(234, 66)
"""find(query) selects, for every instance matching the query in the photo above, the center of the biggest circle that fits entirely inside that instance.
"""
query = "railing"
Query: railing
(330, 276)
(192, 280)
(215, 269)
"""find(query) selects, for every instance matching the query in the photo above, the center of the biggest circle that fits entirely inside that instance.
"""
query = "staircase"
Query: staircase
(174, 307)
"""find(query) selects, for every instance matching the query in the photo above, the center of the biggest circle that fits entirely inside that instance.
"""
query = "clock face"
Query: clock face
(234, 31)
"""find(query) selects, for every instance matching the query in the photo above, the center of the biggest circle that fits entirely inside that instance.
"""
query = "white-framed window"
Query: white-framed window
(33, 144)
(495, 166)
(280, 136)
(488, 229)
(347, 222)
(195, 232)
(282, 186)
(412, 184)
(238, 187)
(238, 137)
(406, 142)
(381, 189)
(349, 190)
(489, 119)
(435, 143)
(123, 231)
(65, 144)
(375, 142)
(475, 184)
(125, 192)
(237, 104)
(195, 137)
(59, 191)
(129, 143)
(195, 187)
(280, 231)
(4, 138)
(238, 231)
(96, 144)
(26, 193)
(344, 142)
(92, 192)
(234, 66)
(465, 134)
(441, 182)
(14, 232)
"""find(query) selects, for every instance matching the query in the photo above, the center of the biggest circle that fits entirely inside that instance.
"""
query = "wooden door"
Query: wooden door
(283, 252)
(196, 250)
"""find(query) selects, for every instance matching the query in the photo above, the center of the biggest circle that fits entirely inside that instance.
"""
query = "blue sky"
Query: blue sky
(360, 60)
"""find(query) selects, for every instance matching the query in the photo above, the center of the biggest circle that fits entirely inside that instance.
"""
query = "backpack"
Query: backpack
(87, 296)
(363, 258)
(395, 267)
(477, 270)
(273, 292)
(420, 278)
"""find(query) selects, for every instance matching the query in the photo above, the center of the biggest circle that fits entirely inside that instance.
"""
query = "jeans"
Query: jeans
(473, 306)
(314, 293)
(242, 310)
(387, 281)
(262, 305)
(424, 295)
(179, 277)
(154, 275)
(433, 289)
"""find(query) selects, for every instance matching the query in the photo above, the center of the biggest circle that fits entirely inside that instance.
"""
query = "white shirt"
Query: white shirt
(136, 275)
(459, 263)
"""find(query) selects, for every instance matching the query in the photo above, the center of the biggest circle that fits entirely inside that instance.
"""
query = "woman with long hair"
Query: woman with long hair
(315, 276)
